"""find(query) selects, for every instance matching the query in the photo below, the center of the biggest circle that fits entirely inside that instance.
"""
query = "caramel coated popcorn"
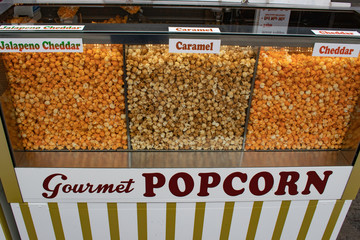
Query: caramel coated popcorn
(131, 9)
(67, 12)
(301, 101)
(188, 101)
(69, 100)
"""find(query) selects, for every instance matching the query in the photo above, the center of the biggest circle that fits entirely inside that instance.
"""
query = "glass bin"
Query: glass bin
(128, 100)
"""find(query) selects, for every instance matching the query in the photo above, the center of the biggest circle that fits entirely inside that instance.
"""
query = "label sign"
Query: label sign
(41, 45)
(336, 33)
(181, 185)
(336, 50)
(194, 30)
(194, 46)
(273, 21)
(42, 27)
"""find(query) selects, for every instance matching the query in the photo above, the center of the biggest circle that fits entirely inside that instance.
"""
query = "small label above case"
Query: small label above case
(42, 27)
(194, 46)
(41, 45)
(194, 30)
(336, 33)
(336, 50)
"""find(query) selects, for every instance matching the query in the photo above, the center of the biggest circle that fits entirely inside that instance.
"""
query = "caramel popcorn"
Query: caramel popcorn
(67, 12)
(188, 101)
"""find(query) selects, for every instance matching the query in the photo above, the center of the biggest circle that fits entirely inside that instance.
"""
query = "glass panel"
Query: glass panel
(188, 101)
(301, 101)
(72, 159)
(146, 107)
(238, 159)
(161, 13)
(68, 101)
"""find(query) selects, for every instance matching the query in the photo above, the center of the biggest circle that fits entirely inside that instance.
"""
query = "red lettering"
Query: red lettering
(290, 183)
(55, 190)
(205, 184)
(327, 50)
(174, 187)
(104, 188)
(128, 186)
(120, 188)
(338, 50)
(150, 185)
(314, 179)
(228, 186)
(322, 49)
(254, 183)
(79, 188)
(179, 45)
(66, 188)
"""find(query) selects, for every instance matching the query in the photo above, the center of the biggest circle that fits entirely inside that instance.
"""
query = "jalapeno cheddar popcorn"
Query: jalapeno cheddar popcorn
(69, 100)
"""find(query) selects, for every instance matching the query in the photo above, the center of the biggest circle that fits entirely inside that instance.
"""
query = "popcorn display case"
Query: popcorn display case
(138, 121)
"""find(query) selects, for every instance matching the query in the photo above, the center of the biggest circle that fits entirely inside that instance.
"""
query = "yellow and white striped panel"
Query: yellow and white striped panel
(154, 221)
(4, 228)
(2, 234)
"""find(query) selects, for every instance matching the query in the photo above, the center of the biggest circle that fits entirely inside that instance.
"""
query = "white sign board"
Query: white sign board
(41, 45)
(41, 27)
(194, 46)
(273, 21)
(336, 33)
(336, 50)
(181, 185)
(194, 30)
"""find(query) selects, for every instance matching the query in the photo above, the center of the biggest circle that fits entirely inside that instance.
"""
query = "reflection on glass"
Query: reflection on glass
(69, 100)
(301, 101)
(188, 101)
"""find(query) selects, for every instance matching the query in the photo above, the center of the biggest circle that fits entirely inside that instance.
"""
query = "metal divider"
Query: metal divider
(250, 98)
(125, 48)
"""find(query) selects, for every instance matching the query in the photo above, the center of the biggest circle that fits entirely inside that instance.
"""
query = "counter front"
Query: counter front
(130, 122)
